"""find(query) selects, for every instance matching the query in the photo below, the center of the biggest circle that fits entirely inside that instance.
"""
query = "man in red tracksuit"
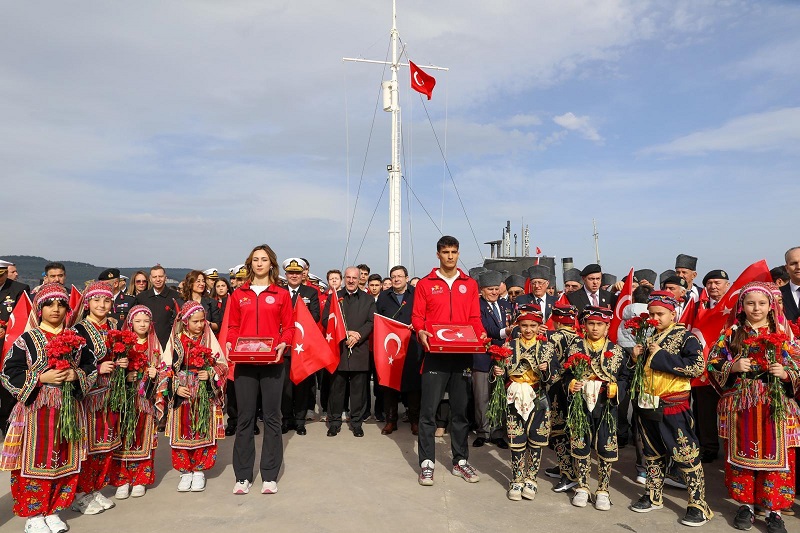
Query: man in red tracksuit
(445, 296)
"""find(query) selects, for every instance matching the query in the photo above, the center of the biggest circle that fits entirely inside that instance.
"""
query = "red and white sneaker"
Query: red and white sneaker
(464, 470)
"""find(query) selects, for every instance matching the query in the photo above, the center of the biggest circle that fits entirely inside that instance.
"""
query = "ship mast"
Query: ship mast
(391, 103)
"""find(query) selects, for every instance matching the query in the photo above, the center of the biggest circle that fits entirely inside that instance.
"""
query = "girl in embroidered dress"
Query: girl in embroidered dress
(194, 450)
(133, 462)
(44, 465)
(756, 366)
(531, 365)
(102, 423)
(600, 388)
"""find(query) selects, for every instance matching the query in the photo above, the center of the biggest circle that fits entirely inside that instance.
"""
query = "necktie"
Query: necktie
(496, 310)
(294, 293)
(594, 299)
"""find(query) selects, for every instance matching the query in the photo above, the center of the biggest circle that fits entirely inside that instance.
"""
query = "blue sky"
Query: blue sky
(187, 132)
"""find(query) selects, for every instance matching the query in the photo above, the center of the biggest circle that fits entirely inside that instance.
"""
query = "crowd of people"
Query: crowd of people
(89, 384)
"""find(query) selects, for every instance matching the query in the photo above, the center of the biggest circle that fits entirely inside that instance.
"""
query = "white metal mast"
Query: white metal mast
(391, 103)
(596, 242)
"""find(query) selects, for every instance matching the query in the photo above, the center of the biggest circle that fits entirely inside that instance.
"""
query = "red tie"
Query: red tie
(594, 299)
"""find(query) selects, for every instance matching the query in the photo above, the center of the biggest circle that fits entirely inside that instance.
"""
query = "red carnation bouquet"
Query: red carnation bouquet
(498, 402)
(62, 352)
(138, 361)
(200, 358)
(577, 419)
(119, 345)
(765, 349)
(642, 327)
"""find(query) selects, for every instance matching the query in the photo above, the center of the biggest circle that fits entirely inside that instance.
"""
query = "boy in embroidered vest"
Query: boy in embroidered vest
(673, 357)
(528, 368)
(564, 317)
(599, 387)
(44, 463)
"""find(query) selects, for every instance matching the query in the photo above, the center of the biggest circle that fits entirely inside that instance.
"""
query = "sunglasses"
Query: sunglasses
(140, 281)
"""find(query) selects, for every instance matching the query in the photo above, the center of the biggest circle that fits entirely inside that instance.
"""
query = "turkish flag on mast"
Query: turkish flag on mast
(624, 300)
(17, 322)
(391, 345)
(310, 352)
(710, 323)
(420, 81)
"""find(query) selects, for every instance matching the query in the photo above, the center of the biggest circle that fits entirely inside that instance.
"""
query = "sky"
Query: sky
(187, 132)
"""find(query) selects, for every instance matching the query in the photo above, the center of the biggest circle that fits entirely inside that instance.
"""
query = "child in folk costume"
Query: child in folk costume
(102, 424)
(530, 366)
(756, 367)
(132, 468)
(599, 388)
(194, 421)
(661, 398)
(564, 317)
(44, 463)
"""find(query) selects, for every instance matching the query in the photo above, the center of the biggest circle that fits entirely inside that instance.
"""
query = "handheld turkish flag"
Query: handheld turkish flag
(335, 331)
(562, 300)
(624, 300)
(538, 251)
(709, 323)
(421, 81)
(17, 322)
(310, 352)
(689, 314)
(391, 346)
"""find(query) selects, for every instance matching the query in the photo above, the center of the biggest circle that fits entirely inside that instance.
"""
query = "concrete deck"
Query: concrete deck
(370, 484)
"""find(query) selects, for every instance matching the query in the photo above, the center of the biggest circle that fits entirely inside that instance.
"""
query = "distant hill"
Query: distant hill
(31, 269)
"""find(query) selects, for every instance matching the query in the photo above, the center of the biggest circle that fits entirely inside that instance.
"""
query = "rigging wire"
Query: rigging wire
(364, 163)
(366, 230)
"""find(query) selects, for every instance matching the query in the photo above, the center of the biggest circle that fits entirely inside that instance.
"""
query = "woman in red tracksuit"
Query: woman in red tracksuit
(259, 308)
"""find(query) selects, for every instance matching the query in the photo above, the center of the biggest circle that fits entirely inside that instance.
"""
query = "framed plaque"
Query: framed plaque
(455, 339)
(255, 351)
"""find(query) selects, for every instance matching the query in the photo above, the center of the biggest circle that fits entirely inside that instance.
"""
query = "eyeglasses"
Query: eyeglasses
(140, 281)
(539, 282)
(515, 292)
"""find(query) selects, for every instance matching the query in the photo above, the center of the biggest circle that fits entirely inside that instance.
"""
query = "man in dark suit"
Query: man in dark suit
(540, 280)
(121, 303)
(496, 316)
(396, 303)
(294, 404)
(160, 299)
(791, 291)
(358, 310)
(591, 293)
(10, 293)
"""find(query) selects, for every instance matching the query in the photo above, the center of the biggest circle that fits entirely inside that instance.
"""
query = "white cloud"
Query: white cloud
(582, 125)
(777, 130)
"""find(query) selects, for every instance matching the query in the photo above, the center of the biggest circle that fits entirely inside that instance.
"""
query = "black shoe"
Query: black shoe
(358, 432)
(380, 418)
(477, 443)
(333, 431)
(744, 518)
(256, 431)
(564, 485)
(500, 443)
(708, 457)
(644, 505)
(775, 523)
(230, 431)
(694, 517)
(284, 428)
(301, 430)
(553, 471)
(621, 443)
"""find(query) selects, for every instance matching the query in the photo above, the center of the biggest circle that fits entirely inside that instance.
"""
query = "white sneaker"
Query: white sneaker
(198, 482)
(138, 491)
(241, 487)
(269, 487)
(104, 502)
(602, 502)
(641, 478)
(36, 524)
(123, 491)
(55, 524)
(185, 484)
(86, 504)
(671, 482)
(324, 417)
(581, 498)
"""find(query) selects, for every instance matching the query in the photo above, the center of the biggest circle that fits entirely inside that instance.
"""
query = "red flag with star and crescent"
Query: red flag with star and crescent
(421, 81)
(17, 322)
(710, 323)
(391, 340)
(335, 332)
(310, 352)
(624, 299)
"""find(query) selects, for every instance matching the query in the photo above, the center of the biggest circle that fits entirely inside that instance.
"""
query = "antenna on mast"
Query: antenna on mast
(596, 242)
